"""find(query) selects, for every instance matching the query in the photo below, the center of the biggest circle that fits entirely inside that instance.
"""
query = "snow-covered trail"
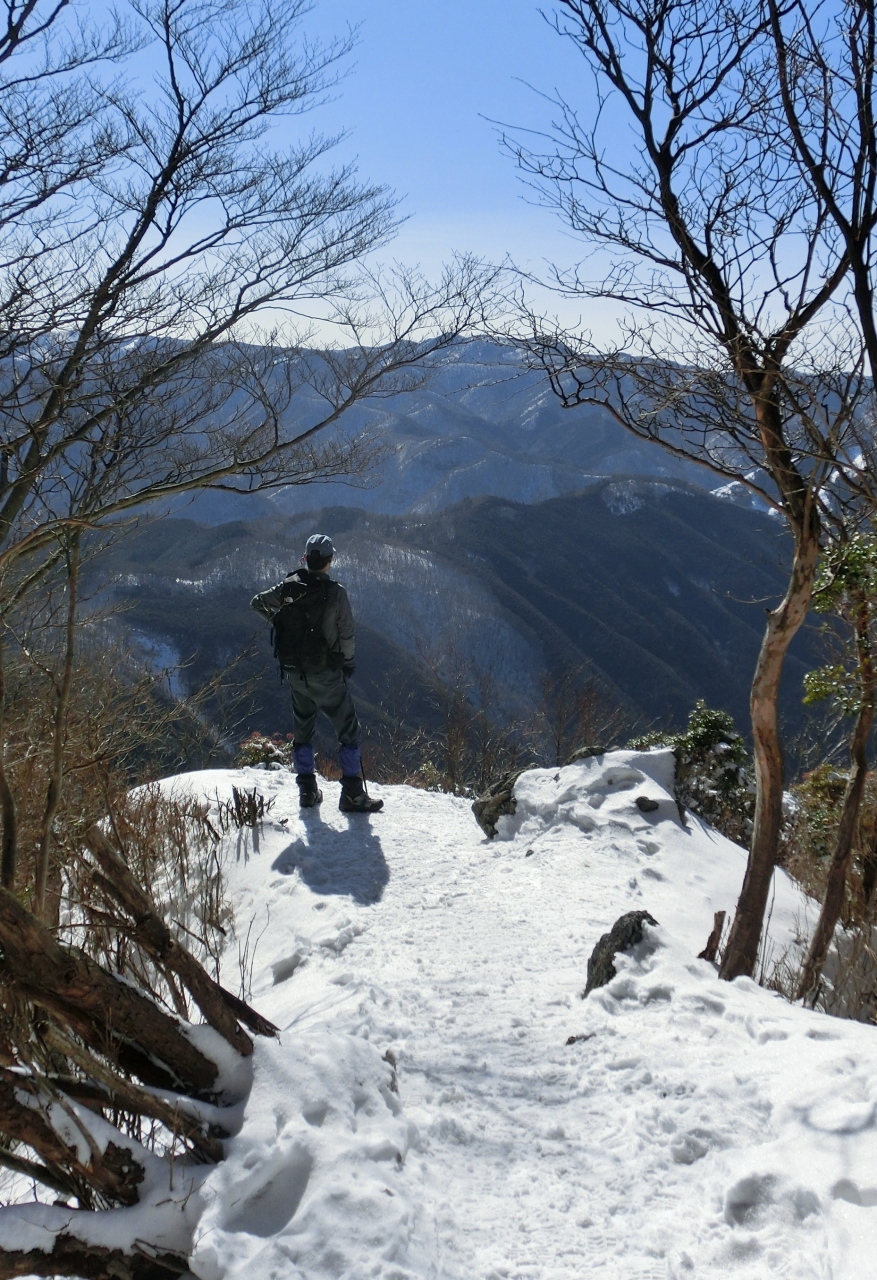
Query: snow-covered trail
(690, 1129)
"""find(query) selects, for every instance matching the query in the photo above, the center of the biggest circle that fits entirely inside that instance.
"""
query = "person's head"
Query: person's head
(319, 552)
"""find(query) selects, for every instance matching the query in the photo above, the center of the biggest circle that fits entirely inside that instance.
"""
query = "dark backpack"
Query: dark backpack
(299, 642)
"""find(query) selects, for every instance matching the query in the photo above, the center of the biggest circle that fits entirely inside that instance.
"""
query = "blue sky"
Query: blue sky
(423, 78)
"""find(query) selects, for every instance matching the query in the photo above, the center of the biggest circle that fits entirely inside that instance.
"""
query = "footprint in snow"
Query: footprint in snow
(846, 1189)
(269, 1199)
(282, 970)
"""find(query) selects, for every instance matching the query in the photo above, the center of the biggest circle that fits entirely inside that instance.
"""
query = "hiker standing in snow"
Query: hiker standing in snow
(312, 625)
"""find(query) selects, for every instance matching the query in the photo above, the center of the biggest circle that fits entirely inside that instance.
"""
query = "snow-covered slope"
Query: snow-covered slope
(442, 1102)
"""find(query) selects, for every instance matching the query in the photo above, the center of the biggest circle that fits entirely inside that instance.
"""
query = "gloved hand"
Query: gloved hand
(348, 670)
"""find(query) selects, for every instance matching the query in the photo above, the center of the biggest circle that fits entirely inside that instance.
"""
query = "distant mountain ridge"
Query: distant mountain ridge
(482, 425)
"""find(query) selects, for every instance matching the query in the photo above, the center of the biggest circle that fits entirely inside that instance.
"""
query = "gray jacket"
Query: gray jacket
(337, 619)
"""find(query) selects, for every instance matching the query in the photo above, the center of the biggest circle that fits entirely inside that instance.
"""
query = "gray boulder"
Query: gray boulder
(587, 753)
(497, 800)
(627, 932)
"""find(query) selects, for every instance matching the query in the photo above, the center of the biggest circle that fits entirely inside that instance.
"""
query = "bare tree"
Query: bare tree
(826, 66)
(144, 236)
(132, 297)
(476, 739)
(62, 686)
(573, 711)
(739, 351)
(826, 59)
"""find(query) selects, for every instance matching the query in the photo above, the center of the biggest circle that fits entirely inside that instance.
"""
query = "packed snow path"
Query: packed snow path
(691, 1128)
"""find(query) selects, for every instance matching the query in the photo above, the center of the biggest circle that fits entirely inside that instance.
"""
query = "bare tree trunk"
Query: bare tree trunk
(835, 888)
(783, 624)
(711, 949)
(869, 873)
(103, 1088)
(59, 732)
(34, 1170)
(9, 848)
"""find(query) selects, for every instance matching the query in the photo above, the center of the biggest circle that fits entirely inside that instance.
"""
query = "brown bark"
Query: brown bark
(116, 1175)
(783, 623)
(132, 1059)
(109, 1015)
(9, 847)
(71, 1257)
(59, 731)
(221, 1009)
(712, 943)
(869, 873)
(835, 889)
(31, 1169)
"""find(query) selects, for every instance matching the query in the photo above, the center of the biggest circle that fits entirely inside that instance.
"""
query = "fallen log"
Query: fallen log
(70, 1257)
(220, 1008)
(111, 1016)
(106, 1090)
(116, 1175)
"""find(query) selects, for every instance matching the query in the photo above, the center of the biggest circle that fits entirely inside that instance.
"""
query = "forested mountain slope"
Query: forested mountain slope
(481, 424)
(657, 589)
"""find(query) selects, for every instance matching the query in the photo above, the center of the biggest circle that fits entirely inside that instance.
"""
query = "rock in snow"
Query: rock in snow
(498, 801)
(671, 1126)
(625, 934)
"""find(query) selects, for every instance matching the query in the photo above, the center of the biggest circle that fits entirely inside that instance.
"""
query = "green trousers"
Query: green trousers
(324, 691)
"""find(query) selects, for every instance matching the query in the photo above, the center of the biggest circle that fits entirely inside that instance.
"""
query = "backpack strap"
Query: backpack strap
(290, 579)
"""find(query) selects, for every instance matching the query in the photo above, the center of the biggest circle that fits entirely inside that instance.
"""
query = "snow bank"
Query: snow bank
(749, 1123)
(311, 1185)
(668, 1126)
(163, 1219)
(679, 867)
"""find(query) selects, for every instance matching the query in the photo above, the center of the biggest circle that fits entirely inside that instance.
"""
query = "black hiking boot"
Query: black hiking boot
(355, 798)
(309, 793)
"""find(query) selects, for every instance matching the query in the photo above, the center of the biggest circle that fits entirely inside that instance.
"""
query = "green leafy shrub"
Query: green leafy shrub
(809, 836)
(713, 770)
(846, 587)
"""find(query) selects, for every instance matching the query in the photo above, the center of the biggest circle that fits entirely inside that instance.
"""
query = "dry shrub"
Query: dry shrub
(123, 727)
(848, 987)
(171, 845)
(265, 749)
(118, 724)
(809, 836)
(172, 842)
